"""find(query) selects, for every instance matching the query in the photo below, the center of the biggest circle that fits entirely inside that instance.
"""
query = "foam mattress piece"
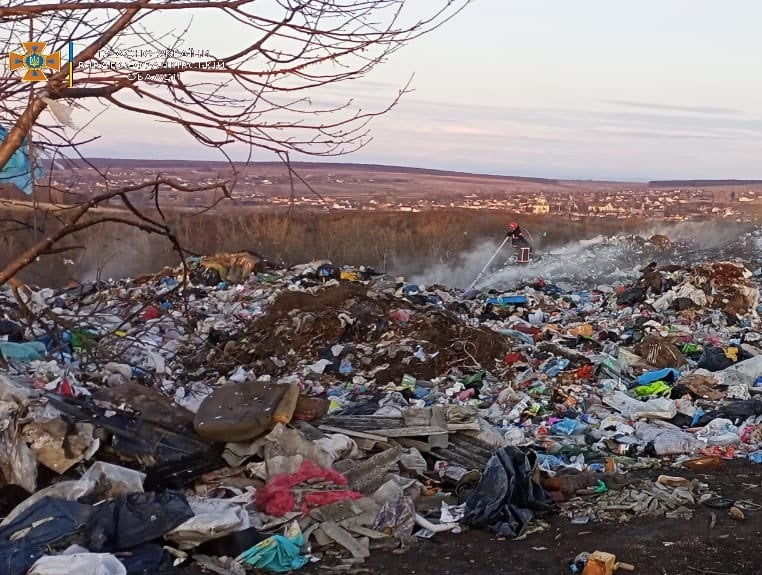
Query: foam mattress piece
(238, 411)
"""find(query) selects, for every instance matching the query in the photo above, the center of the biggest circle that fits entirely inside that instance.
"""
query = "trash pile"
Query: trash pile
(607, 259)
(244, 417)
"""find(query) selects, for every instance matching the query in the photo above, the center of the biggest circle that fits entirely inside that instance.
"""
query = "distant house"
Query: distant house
(541, 206)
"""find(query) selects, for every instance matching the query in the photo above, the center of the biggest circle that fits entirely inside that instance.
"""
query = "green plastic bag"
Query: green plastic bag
(277, 554)
(657, 388)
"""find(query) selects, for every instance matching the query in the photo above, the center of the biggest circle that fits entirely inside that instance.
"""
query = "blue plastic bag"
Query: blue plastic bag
(26, 351)
(507, 300)
(569, 427)
(18, 170)
(668, 374)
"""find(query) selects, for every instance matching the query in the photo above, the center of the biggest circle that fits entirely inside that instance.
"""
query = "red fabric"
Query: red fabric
(65, 388)
(529, 330)
(151, 312)
(277, 497)
(320, 498)
(585, 372)
(511, 358)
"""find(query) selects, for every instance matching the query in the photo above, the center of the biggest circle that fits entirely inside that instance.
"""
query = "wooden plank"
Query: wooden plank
(352, 433)
(413, 431)
(345, 539)
(438, 417)
(451, 427)
(415, 417)
(422, 446)
(369, 533)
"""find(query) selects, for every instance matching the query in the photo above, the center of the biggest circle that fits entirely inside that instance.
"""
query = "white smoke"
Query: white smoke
(583, 262)
(599, 260)
(461, 273)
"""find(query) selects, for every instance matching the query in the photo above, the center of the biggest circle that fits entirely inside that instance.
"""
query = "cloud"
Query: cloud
(677, 108)
(660, 139)
(662, 134)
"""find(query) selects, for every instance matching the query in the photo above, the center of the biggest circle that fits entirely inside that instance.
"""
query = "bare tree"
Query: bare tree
(259, 93)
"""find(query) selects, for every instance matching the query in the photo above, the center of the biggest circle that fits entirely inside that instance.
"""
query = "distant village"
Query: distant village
(679, 205)
(323, 189)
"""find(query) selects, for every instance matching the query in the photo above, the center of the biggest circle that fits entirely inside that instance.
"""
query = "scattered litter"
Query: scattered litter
(254, 417)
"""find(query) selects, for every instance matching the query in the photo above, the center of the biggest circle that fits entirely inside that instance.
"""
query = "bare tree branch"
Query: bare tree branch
(270, 84)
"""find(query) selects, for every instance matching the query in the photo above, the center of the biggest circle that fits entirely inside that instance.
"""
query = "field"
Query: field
(402, 243)
(397, 219)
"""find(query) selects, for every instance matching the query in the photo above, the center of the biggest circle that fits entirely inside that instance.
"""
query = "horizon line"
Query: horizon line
(434, 171)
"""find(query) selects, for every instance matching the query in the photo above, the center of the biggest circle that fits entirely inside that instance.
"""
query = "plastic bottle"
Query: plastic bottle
(345, 367)
(517, 410)
(579, 562)
(285, 410)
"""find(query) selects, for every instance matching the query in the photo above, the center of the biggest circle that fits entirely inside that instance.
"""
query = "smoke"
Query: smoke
(710, 234)
(588, 262)
(465, 268)
(125, 252)
(581, 261)
(584, 262)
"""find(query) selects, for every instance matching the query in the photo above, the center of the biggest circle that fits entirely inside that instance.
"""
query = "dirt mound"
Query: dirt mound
(382, 334)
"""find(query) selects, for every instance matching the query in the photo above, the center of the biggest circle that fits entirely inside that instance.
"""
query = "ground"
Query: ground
(654, 546)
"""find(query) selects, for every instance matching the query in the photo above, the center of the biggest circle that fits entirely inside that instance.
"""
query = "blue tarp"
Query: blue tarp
(668, 374)
(508, 300)
(18, 169)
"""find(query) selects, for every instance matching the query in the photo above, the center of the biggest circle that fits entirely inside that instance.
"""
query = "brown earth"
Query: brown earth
(654, 546)
(279, 331)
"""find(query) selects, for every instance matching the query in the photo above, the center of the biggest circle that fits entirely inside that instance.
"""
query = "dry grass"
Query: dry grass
(400, 242)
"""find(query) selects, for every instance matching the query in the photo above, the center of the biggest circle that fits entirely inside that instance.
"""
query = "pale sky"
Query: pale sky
(550, 88)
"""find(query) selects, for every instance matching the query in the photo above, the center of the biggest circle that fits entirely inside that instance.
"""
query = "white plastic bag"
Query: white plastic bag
(213, 518)
(78, 560)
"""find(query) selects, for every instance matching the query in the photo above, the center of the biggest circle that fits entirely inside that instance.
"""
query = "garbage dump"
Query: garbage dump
(242, 417)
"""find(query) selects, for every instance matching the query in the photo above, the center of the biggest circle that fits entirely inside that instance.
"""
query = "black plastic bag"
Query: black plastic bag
(714, 358)
(205, 276)
(735, 412)
(507, 497)
(150, 559)
(133, 519)
(631, 296)
(11, 330)
(328, 272)
(176, 456)
(233, 544)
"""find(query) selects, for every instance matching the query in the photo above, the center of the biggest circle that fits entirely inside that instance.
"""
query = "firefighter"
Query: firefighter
(519, 242)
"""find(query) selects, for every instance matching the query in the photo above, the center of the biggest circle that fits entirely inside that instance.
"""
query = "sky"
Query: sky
(590, 89)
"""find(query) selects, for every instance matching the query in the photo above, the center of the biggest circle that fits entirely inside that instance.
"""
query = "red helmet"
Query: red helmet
(513, 225)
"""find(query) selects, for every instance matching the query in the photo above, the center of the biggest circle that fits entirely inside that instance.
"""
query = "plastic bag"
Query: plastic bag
(136, 518)
(507, 497)
(716, 358)
(78, 560)
(17, 463)
(110, 479)
(658, 408)
(212, 518)
(277, 554)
